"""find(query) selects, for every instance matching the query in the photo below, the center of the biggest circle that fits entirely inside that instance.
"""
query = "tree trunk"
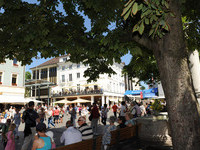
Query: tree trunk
(183, 108)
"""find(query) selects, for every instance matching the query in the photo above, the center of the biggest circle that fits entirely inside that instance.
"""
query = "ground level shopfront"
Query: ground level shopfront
(100, 98)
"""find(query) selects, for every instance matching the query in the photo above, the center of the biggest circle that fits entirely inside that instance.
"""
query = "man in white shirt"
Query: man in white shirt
(123, 109)
(71, 135)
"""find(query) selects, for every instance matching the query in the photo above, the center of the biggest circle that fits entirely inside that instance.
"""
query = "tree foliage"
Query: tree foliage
(27, 75)
(29, 28)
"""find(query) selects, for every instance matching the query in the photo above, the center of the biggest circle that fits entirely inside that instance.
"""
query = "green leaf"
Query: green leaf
(146, 21)
(135, 28)
(128, 3)
(151, 31)
(172, 14)
(166, 5)
(141, 28)
(140, 7)
(127, 14)
(127, 8)
(135, 8)
(166, 27)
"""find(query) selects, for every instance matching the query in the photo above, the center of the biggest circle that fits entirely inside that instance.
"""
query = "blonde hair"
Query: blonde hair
(12, 127)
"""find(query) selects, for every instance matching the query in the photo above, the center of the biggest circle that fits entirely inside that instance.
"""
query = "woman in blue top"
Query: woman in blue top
(42, 141)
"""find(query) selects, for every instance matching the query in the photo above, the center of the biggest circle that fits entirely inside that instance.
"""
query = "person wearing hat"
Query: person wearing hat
(42, 141)
(30, 117)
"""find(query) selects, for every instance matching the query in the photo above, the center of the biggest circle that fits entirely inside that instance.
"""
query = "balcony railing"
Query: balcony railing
(73, 93)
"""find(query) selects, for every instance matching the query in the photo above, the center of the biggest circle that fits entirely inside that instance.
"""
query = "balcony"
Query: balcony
(74, 93)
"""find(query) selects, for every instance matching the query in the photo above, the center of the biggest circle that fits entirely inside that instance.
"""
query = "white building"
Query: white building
(12, 78)
(71, 84)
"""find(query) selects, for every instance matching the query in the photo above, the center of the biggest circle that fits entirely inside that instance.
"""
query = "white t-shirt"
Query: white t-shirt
(123, 110)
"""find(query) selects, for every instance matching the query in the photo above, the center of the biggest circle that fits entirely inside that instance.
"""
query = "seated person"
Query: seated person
(42, 141)
(85, 130)
(121, 120)
(108, 128)
(129, 120)
(71, 135)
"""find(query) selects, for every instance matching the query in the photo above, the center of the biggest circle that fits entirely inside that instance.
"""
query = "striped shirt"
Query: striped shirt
(86, 131)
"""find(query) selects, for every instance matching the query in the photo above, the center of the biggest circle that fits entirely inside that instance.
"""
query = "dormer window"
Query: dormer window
(15, 62)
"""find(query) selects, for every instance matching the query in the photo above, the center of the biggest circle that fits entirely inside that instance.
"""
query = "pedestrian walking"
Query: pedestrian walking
(95, 117)
(114, 107)
(17, 120)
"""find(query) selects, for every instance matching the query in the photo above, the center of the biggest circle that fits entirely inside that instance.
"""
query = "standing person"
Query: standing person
(50, 117)
(56, 115)
(17, 120)
(73, 114)
(30, 117)
(71, 135)
(11, 138)
(104, 112)
(5, 131)
(95, 117)
(114, 107)
(42, 141)
(123, 109)
(143, 110)
(42, 115)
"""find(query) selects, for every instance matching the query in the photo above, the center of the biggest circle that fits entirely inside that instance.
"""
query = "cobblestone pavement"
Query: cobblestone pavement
(58, 130)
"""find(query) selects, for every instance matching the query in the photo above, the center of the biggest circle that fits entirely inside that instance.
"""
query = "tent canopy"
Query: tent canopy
(79, 100)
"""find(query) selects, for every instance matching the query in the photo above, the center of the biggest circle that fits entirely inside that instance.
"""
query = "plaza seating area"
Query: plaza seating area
(117, 136)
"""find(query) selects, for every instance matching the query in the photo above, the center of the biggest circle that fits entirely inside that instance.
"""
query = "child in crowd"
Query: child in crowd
(10, 138)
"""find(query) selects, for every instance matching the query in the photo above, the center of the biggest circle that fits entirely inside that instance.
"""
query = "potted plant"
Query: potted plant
(156, 107)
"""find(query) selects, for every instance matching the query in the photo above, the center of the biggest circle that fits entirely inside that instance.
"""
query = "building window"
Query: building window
(78, 65)
(15, 62)
(63, 78)
(1, 75)
(70, 66)
(14, 80)
(63, 67)
(70, 77)
(78, 75)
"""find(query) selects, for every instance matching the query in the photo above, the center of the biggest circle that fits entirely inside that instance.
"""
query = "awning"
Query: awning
(16, 99)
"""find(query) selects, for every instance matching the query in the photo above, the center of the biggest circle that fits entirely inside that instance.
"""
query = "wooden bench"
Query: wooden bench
(96, 143)
(91, 144)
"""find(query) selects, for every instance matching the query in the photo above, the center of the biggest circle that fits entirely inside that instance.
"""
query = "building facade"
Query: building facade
(12, 78)
(71, 83)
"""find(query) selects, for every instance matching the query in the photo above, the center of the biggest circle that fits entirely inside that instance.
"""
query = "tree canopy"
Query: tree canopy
(29, 28)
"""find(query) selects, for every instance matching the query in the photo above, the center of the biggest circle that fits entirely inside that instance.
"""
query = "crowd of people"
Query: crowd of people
(35, 129)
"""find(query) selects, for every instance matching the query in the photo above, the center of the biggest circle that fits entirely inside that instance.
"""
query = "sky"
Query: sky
(126, 58)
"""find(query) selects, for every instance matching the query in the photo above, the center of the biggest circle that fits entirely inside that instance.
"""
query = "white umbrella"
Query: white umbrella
(79, 100)
(62, 101)
(34, 100)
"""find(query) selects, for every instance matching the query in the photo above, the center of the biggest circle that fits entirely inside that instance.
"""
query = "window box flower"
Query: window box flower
(14, 84)
(0, 82)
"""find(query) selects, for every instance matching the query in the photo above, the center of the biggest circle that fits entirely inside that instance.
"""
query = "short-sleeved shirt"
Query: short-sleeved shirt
(123, 111)
(30, 116)
(114, 108)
